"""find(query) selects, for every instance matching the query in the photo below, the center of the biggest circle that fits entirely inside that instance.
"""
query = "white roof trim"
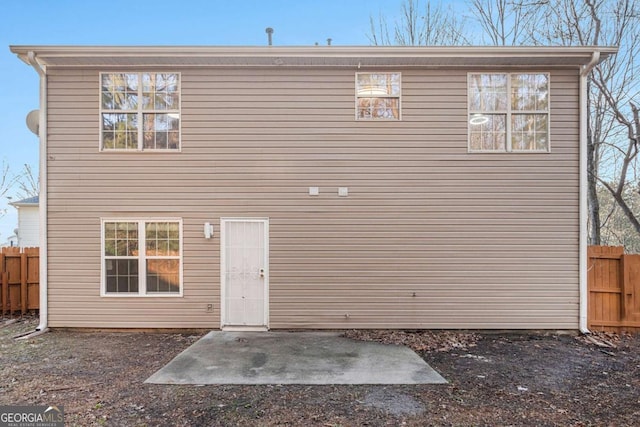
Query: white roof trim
(29, 201)
(352, 56)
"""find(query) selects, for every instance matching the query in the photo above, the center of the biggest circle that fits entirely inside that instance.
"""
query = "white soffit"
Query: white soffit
(315, 56)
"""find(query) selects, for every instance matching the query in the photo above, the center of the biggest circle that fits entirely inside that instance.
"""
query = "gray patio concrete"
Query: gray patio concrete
(293, 358)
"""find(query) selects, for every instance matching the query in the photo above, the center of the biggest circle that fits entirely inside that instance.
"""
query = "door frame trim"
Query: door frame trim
(223, 284)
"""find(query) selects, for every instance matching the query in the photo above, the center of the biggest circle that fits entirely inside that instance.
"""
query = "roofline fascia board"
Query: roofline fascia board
(28, 201)
(18, 204)
(310, 50)
(581, 54)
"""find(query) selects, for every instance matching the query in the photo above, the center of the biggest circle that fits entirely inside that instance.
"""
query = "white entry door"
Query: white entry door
(244, 272)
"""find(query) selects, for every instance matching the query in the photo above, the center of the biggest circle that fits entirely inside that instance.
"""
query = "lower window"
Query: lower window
(142, 257)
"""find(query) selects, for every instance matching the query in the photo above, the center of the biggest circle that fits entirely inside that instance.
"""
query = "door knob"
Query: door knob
(262, 272)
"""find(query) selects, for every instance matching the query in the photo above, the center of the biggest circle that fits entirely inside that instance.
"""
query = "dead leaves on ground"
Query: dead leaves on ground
(603, 340)
(420, 341)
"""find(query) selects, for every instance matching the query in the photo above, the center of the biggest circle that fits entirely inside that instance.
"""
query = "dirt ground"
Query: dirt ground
(504, 379)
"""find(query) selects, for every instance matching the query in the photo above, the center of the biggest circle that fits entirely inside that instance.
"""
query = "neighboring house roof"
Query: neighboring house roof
(350, 56)
(29, 201)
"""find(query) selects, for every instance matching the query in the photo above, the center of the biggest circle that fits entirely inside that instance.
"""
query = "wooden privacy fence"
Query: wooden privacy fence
(614, 289)
(20, 279)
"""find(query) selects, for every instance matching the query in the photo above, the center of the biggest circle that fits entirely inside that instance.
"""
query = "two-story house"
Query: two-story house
(313, 187)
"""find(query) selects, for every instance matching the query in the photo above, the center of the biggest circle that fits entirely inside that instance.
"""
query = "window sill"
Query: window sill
(159, 295)
(110, 150)
(507, 152)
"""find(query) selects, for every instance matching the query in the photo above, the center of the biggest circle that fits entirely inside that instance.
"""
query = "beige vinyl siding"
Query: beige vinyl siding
(431, 236)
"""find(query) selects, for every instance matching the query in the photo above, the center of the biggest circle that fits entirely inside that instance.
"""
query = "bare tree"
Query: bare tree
(612, 139)
(628, 159)
(613, 85)
(7, 182)
(16, 185)
(379, 35)
(570, 22)
(505, 22)
(619, 230)
(430, 24)
(619, 86)
(28, 184)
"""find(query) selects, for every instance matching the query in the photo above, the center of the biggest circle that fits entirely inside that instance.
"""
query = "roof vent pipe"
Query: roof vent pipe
(329, 41)
(269, 32)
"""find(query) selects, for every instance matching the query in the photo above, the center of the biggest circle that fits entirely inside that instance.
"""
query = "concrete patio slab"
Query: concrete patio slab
(293, 358)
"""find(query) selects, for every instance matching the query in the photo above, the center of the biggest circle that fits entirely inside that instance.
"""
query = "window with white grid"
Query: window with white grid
(378, 96)
(142, 257)
(508, 112)
(140, 111)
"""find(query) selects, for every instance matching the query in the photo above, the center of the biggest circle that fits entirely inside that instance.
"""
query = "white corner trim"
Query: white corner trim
(42, 135)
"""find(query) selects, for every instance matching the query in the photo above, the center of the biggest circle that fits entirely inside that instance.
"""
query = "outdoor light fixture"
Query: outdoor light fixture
(208, 230)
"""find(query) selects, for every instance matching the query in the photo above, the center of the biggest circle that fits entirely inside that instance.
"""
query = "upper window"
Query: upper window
(378, 96)
(141, 257)
(140, 111)
(509, 112)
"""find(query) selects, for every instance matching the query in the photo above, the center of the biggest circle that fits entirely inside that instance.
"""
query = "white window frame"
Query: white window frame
(357, 97)
(142, 258)
(508, 114)
(140, 112)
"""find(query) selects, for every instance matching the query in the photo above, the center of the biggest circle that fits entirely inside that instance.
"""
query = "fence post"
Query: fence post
(23, 282)
(632, 290)
(35, 277)
(626, 289)
(2, 301)
(5, 292)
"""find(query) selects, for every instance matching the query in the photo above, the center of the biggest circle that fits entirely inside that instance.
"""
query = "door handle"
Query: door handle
(261, 272)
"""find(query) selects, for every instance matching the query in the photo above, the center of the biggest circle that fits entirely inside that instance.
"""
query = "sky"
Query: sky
(159, 22)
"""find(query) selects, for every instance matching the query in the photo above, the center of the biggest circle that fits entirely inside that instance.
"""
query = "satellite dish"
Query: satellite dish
(33, 121)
